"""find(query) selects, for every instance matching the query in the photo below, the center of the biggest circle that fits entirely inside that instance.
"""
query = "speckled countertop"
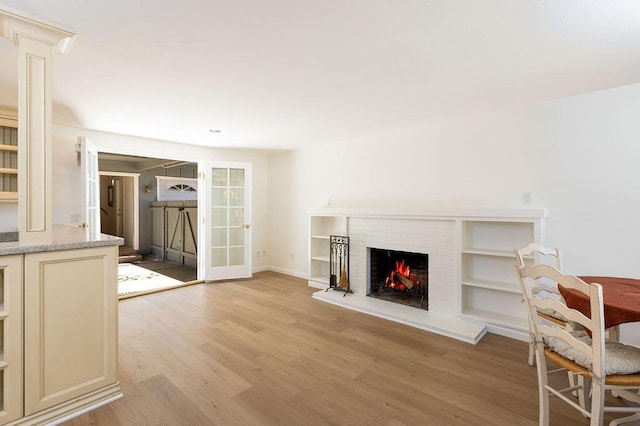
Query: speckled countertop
(64, 238)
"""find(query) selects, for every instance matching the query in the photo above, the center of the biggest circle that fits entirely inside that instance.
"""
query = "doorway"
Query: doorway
(221, 199)
(119, 211)
(130, 190)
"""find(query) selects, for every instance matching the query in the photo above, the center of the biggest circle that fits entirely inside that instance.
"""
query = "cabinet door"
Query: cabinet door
(71, 343)
(10, 338)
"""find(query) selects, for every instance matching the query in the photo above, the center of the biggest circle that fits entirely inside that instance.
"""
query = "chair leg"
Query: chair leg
(572, 382)
(543, 393)
(597, 402)
(631, 418)
(543, 411)
(583, 393)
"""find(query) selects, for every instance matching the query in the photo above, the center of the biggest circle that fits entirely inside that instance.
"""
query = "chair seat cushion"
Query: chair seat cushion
(545, 291)
(553, 314)
(619, 358)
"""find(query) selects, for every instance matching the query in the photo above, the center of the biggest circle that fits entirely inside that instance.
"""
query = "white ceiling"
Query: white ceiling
(282, 74)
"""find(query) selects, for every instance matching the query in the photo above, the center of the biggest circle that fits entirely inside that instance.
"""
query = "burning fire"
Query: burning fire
(401, 278)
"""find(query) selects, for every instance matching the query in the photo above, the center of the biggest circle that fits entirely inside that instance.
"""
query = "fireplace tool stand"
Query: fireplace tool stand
(339, 264)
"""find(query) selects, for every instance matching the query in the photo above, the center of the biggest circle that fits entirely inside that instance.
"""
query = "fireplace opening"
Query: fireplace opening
(399, 277)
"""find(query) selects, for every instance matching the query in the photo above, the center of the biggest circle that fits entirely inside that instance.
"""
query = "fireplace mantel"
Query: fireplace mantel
(433, 214)
(473, 287)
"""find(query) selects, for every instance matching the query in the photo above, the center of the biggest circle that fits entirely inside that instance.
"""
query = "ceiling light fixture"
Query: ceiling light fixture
(215, 130)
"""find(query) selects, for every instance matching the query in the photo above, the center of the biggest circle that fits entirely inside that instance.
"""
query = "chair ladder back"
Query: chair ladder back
(542, 303)
(537, 251)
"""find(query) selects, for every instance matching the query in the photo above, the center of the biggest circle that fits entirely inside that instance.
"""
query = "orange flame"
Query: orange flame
(402, 269)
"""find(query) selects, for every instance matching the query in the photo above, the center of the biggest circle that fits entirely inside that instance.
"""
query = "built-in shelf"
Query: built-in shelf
(489, 252)
(493, 285)
(490, 290)
(320, 229)
(8, 155)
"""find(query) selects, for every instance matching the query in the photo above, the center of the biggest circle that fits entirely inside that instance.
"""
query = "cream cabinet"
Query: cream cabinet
(321, 227)
(69, 344)
(11, 338)
(8, 155)
(70, 324)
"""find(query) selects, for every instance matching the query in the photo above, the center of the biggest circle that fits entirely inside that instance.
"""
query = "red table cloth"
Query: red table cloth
(621, 299)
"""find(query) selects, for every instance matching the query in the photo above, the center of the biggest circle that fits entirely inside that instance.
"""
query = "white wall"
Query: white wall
(579, 157)
(67, 178)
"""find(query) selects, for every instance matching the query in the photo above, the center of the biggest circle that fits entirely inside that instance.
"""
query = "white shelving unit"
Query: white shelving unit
(490, 291)
(320, 228)
(478, 258)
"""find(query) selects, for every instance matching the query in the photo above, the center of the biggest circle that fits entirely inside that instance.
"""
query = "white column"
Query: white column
(36, 41)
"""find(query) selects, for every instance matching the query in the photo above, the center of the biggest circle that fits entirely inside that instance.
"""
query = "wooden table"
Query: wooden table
(621, 298)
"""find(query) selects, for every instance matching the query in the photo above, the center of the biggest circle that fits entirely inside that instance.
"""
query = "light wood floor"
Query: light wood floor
(263, 352)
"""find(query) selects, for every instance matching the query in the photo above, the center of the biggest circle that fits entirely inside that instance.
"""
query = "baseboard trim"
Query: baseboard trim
(289, 272)
(522, 335)
(73, 408)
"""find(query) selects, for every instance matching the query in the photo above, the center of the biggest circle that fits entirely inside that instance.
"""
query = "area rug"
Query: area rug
(134, 280)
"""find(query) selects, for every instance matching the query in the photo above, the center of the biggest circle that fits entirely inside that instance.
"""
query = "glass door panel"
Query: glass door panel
(229, 231)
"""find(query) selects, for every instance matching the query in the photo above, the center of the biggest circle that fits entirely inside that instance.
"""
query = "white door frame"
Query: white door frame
(135, 202)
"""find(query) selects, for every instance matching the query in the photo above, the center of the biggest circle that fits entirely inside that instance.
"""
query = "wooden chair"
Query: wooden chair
(610, 366)
(541, 254)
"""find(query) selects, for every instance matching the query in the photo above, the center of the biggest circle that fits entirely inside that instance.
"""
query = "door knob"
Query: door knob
(246, 225)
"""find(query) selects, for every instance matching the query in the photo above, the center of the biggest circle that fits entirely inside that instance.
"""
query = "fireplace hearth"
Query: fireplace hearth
(399, 277)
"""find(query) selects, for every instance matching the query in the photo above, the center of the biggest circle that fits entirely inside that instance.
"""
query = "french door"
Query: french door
(91, 186)
(225, 207)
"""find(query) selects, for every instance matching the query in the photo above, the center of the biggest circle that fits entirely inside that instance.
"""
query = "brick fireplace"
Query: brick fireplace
(433, 237)
(399, 277)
